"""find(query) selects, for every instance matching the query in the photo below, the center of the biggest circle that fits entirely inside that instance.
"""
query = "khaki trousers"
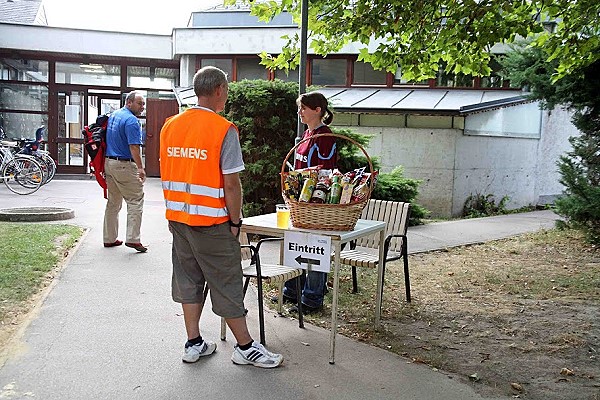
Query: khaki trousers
(123, 183)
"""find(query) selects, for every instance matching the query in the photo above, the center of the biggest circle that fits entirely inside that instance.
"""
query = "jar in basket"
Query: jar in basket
(320, 193)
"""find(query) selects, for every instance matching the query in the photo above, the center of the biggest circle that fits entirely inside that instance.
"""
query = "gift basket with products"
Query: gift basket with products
(325, 199)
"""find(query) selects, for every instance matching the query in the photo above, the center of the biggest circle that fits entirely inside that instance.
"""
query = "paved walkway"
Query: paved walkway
(108, 328)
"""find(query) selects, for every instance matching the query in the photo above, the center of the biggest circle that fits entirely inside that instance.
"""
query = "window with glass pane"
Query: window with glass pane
(365, 74)
(399, 79)
(70, 154)
(450, 79)
(249, 68)
(224, 64)
(23, 70)
(151, 77)
(23, 97)
(329, 71)
(494, 80)
(88, 74)
(291, 75)
(71, 109)
(22, 125)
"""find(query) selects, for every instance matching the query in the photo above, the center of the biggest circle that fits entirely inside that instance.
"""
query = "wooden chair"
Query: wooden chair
(269, 273)
(395, 214)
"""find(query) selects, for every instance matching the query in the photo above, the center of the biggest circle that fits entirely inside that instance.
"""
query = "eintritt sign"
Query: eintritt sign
(307, 251)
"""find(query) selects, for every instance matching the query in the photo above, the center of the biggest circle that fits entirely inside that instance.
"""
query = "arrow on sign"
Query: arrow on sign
(310, 261)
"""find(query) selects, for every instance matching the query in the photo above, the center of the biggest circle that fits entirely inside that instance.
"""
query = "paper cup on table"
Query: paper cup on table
(283, 215)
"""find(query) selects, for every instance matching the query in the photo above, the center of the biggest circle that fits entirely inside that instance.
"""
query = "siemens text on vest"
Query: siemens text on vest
(306, 248)
(187, 152)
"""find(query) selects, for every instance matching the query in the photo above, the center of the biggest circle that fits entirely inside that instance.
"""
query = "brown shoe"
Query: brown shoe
(138, 246)
(113, 244)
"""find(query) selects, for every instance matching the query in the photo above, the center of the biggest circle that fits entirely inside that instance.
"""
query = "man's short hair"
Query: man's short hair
(208, 79)
(131, 96)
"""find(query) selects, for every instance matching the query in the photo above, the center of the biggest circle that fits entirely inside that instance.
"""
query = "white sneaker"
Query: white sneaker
(193, 353)
(256, 355)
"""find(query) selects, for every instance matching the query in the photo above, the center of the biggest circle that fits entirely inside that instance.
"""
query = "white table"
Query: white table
(267, 225)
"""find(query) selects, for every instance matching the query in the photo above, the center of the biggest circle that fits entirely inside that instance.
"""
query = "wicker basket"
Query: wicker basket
(327, 217)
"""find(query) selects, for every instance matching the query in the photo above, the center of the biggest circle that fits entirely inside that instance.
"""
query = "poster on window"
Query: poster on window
(71, 114)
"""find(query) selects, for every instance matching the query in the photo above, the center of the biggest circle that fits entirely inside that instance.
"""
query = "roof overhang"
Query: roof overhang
(85, 42)
(425, 101)
(457, 102)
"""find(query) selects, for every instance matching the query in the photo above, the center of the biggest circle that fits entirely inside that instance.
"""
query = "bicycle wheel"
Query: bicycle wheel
(31, 179)
(47, 171)
(22, 175)
(46, 159)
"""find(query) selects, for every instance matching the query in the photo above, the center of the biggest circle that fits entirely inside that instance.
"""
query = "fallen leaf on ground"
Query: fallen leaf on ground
(566, 371)
(516, 386)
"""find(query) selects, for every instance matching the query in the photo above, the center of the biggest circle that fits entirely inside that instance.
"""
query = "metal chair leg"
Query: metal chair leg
(261, 315)
(280, 299)
(223, 329)
(406, 276)
(354, 280)
(299, 301)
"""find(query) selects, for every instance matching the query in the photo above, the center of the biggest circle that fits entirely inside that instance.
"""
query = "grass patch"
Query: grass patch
(28, 254)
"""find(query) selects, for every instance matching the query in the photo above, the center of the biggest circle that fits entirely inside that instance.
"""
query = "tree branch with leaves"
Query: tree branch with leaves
(420, 36)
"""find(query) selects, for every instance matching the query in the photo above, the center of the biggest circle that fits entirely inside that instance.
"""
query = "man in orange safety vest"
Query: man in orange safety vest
(200, 161)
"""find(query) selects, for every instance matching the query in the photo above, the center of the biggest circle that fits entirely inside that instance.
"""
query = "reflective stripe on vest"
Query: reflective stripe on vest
(193, 209)
(200, 190)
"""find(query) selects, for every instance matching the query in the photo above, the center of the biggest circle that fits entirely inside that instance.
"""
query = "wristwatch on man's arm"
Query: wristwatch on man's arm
(235, 225)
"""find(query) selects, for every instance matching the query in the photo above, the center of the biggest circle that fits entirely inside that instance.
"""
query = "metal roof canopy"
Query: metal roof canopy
(405, 100)
(431, 101)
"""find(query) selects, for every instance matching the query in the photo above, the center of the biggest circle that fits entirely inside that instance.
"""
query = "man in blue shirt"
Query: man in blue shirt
(125, 174)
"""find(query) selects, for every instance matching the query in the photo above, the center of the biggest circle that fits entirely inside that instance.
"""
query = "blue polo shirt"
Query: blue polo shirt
(123, 129)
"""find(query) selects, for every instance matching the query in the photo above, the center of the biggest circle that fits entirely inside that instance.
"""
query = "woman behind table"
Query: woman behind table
(315, 114)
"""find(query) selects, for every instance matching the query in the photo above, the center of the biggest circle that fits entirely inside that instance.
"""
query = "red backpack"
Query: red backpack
(94, 136)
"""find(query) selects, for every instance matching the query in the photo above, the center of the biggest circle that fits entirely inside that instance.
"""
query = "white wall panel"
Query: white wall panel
(79, 41)
(556, 128)
(453, 166)
(241, 41)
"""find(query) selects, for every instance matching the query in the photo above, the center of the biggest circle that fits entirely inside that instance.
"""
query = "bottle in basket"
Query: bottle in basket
(336, 191)
(307, 190)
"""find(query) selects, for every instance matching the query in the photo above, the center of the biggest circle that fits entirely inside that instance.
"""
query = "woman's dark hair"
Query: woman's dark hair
(313, 100)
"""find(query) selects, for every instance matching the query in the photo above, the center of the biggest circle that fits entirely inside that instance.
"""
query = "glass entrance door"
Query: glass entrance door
(71, 114)
(76, 109)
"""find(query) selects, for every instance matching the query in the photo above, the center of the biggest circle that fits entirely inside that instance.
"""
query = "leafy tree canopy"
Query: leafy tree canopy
(422, 35)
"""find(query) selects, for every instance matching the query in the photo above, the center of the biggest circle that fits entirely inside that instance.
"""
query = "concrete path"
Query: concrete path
(108, 329)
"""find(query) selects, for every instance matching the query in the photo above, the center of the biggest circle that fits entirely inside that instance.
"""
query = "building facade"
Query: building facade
(460, 135)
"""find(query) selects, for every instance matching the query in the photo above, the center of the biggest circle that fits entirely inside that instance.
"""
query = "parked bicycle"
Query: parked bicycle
(33, 147)
(22, 174)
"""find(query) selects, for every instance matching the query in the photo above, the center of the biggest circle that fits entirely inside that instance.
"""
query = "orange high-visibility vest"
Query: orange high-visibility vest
(192, 181)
